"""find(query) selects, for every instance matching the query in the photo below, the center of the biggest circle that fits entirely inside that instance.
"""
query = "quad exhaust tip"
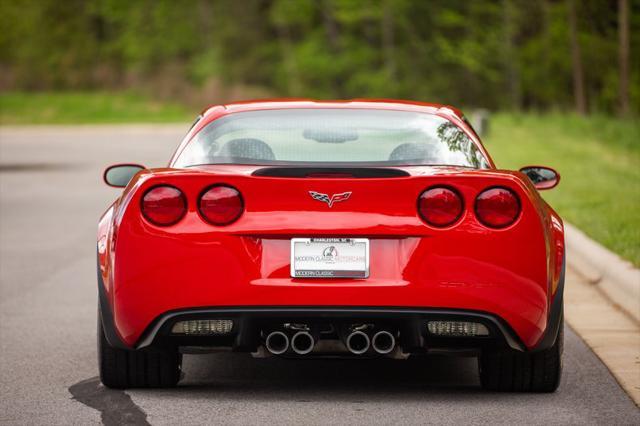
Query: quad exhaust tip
(277, 342)
(302, 342)
(383, 342)
(358, 342)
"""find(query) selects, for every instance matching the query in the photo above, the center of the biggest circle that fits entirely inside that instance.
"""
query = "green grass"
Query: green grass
(85, 107)
(599, 161)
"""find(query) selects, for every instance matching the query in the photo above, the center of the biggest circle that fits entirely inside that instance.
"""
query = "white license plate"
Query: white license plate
(330, 257)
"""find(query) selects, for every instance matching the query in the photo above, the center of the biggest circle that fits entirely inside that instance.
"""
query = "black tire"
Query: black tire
(147, 368)
(523, 372)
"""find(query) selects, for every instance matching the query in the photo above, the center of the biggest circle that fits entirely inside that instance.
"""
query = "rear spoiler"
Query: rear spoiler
(330, 172)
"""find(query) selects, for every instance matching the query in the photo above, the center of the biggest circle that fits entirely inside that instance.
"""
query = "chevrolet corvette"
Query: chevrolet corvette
(310, 229)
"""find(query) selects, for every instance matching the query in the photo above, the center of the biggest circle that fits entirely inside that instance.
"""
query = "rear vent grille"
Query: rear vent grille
(330, 172)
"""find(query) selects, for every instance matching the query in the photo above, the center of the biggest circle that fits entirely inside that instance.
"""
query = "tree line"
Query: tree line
(577, 55)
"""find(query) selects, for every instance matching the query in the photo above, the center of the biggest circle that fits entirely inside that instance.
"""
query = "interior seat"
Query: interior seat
(254, 149)
(423, 152)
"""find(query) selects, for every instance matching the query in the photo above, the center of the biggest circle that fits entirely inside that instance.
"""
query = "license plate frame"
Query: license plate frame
(327, 263)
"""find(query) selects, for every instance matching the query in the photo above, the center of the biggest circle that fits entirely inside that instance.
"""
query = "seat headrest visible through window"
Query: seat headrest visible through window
(422, 152)
(247, 148)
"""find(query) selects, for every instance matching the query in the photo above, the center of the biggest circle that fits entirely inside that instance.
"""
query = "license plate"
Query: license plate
(330, 257)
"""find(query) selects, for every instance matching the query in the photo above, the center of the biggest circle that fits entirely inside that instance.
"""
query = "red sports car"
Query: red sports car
(360, 228)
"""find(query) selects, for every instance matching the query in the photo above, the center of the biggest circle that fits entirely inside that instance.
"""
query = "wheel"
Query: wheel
(121, 368)
(523, 372)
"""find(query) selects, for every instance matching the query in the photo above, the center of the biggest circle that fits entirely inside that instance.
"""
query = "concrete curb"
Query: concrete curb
(617, 278)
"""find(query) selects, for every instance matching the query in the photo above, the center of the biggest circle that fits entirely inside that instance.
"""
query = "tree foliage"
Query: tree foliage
(496, 54)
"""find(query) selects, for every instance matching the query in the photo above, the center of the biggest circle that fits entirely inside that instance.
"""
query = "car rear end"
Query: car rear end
(302, 259)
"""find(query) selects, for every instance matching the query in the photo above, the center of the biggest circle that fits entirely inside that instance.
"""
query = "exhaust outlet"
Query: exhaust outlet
(277, 342)
(302, 342)
(383, 342)
(358, 342)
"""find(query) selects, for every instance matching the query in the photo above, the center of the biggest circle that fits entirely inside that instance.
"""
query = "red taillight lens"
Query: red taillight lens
(164, 205)
(221, 205)
(497, 207)
(440, 206)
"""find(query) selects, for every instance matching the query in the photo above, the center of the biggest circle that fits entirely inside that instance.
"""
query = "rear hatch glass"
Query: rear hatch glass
(361, 137)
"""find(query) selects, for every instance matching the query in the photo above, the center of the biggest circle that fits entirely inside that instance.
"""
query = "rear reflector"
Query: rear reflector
(221, 205)
(203, 327)
(163, 205)
(457, 328)
(440, 206)
(497, 207)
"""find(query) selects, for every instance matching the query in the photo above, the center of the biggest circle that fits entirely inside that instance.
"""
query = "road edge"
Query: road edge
(616, 278)
(612, 335)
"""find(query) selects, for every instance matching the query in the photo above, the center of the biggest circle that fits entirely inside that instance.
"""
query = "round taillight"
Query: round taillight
(497, 207)
(164, 205)
(440, 206)
(221, 205)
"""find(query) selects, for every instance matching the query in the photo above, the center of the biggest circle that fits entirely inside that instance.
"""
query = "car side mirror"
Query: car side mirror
(542, 177)
(119, 175)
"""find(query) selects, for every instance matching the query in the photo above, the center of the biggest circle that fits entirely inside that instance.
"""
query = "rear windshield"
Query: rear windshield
(343, 136)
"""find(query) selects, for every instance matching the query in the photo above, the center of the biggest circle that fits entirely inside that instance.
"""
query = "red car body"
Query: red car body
(148, 273)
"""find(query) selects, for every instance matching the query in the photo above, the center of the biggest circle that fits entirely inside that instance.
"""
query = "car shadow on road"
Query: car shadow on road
(240, 377)
(275, 378)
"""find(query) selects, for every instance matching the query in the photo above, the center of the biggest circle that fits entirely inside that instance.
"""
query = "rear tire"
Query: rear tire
(147, 368)
(523, 372)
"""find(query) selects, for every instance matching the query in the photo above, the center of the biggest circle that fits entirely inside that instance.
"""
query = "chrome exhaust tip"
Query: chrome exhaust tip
(277, 342)
(302, 342)
(358, 342)
(383, 342)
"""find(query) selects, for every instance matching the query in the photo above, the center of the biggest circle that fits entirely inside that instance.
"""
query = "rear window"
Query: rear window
(332, 136)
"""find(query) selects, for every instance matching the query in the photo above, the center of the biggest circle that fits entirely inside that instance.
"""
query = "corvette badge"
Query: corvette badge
(330, 200)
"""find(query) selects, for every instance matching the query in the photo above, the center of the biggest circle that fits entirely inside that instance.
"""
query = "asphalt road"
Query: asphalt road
(51, 196)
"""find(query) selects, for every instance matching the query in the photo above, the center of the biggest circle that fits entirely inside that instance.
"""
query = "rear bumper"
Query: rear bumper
(411, 322)
(150, 279)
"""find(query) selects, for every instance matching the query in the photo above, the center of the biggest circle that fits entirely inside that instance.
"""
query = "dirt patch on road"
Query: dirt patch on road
(115, 406)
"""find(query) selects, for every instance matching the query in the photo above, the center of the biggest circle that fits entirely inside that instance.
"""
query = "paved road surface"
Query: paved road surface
(51, 196)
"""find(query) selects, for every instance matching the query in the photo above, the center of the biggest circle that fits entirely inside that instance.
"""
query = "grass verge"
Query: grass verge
(87, 107)
(599, 161)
